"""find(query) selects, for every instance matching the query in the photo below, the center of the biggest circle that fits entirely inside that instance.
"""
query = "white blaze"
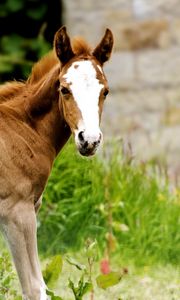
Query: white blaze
(86, 89)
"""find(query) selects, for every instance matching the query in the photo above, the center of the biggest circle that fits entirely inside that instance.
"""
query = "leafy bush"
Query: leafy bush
(7, 279)
(14, 50)
(27, 30)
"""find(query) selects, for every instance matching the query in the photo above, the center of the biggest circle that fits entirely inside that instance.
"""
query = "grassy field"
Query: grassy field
(128, 209)
(112, 195)
(145, 283)
(157, 282)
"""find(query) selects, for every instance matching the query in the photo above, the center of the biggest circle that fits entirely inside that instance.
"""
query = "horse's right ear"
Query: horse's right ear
(63, 46)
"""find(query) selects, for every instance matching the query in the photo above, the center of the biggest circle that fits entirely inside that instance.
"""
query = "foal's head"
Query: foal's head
(83, 87)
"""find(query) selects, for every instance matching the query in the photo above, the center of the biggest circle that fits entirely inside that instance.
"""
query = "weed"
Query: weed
(7, 278)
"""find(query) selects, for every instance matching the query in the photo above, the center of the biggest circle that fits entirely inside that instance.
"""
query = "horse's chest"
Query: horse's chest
(24, 164)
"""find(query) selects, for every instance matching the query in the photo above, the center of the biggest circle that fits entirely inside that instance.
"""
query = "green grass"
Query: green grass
(145, 283)
(110, 193)
(142, 283)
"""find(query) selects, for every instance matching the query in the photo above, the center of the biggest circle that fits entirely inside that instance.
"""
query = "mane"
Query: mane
(42, 67)
(9, 90)
(81, 47)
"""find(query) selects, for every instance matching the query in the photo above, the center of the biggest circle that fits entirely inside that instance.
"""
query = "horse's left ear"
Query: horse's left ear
(103, 51)
(62, 45)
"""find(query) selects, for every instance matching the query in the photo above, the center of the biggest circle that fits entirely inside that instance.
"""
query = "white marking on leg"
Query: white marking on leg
(86, 90)
(43, 295)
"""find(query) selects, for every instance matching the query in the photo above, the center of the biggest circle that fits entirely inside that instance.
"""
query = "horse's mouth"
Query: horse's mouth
(87, 151)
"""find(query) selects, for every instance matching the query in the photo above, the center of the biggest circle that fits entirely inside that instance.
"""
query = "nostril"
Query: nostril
(81, 136)
(96, 143)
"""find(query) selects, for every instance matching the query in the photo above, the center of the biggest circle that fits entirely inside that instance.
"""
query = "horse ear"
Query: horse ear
(103, 51)
(63, 46)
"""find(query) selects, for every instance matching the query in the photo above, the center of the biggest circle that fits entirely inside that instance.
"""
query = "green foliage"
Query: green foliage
(75, 263)
(51, 274)
(52, 271)
(10, 6)
(20, 47)
(145, 215)
(14, 49)
(105, 281)
(91, 249)
(7, 279)
(107, 196)
(81, 289)
(85, 284)
(71, 213)
(37, 14)
(53, 297)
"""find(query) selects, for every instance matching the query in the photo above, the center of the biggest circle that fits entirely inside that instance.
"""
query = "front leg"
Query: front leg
(20, 232)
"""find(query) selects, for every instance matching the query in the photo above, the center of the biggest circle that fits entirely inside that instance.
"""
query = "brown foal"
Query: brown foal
(64, 94)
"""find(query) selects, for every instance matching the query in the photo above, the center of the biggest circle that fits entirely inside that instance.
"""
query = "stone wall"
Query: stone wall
(144, 72)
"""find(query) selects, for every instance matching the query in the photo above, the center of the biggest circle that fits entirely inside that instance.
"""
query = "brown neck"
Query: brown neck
(45, 113)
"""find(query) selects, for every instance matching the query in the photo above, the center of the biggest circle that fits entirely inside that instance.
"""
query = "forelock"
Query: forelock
(81, 47)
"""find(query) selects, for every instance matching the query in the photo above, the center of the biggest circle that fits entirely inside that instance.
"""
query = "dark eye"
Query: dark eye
(64, 91)
(106, 92)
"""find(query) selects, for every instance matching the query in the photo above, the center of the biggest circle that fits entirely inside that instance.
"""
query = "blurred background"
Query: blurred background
(128, 197)
(144, 73)
(27, 31)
